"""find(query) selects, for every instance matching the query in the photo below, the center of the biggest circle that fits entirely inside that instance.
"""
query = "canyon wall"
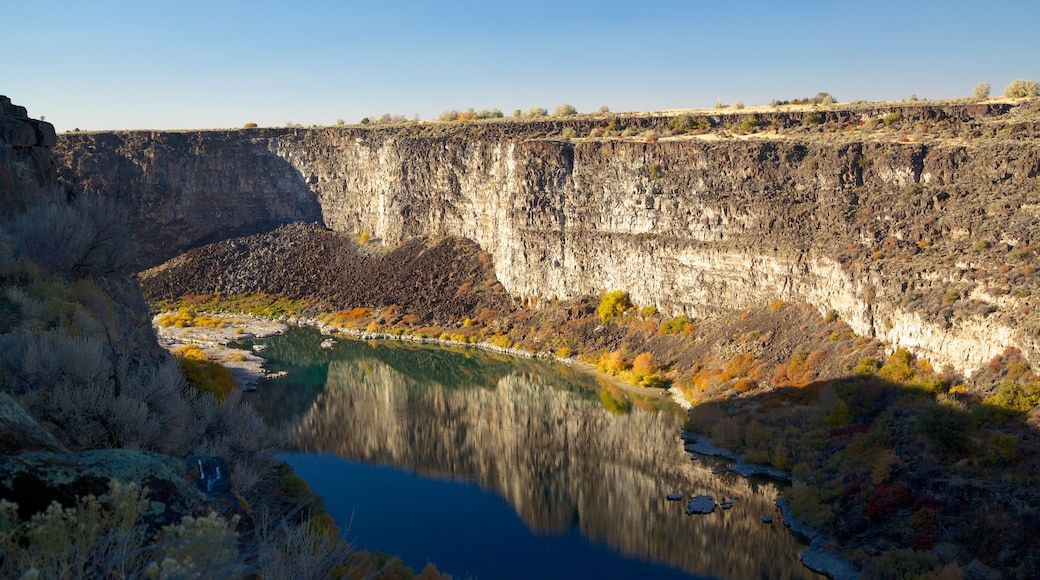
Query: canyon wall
(880, 225)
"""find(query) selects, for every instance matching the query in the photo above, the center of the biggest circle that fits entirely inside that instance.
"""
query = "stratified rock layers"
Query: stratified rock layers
(872, 228)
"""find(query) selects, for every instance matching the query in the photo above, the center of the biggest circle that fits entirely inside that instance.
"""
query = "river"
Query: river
(491, 466)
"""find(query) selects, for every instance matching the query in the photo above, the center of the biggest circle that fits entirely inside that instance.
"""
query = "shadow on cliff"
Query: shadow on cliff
(184, 190)
(885, 466)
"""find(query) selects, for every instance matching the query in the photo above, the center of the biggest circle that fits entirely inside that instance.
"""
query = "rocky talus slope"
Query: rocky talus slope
(914, 223)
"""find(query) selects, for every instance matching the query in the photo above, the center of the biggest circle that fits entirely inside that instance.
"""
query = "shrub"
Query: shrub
(564, 110)
(654, 171)
(648, 311)
(675, 325)
(534, 112)
(891, 119)
(613, 362)
(982, 91)
(749, 125)
(823, 99)
(865, 366)
(644, 365)
(205, 375)
(83, 239)
(568, 133)
(603, 109)
(812, 118)
(250, 126)
(613, 304)
(501, 340)
(738, 104)
(1018, 88)
(563, 352)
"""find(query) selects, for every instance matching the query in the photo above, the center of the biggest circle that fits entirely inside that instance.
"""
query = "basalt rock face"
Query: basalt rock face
(905, 231)
(186, 189)
(25, 159)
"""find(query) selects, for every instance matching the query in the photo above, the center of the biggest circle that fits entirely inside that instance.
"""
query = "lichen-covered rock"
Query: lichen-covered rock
(35, 479)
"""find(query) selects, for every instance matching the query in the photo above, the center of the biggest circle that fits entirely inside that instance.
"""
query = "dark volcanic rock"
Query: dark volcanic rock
(442, 280)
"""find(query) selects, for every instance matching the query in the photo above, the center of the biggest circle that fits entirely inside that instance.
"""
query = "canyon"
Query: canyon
(912, 222)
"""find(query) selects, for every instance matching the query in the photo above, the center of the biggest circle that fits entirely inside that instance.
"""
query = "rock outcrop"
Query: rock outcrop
(901, 220)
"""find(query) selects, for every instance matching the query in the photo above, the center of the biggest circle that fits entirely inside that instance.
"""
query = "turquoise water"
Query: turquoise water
(497, 467)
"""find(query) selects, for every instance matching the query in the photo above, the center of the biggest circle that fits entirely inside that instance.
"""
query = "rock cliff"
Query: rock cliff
(914, 224)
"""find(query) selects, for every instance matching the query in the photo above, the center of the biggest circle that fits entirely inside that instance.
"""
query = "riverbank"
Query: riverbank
(223, 329)
(215, 342)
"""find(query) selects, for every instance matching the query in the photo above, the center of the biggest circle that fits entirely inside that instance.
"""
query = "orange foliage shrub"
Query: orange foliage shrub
(644, 365)
(464, 288)
(744, 385)
(486, 315)
(409, 319)
(815, 358)
(613, 362)
(359, 312)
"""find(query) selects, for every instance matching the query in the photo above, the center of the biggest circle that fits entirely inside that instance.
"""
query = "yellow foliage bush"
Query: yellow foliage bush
(204, 374)
(612, 305)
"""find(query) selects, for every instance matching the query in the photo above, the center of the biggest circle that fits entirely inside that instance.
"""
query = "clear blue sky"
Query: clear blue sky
(145, 64)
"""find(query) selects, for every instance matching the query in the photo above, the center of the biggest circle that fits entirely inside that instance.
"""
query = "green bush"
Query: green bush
(675, 325)
(749, 125)
(823, 99)
(686, 124)
(564, 110)
(613, 304)
(812, 118)
(891, 119)
(654, 171)
(1019, 88)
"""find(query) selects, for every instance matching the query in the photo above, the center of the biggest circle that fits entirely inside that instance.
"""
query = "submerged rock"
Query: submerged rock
(701, 504)
(703, 446)
(673, 497)
(829, 565)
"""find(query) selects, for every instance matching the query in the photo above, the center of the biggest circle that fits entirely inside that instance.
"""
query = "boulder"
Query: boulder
(20, 433)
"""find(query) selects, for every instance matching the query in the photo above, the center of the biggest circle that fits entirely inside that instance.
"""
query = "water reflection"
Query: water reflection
(539, 436)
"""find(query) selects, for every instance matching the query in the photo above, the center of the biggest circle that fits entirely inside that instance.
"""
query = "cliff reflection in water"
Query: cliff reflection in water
(538, 435)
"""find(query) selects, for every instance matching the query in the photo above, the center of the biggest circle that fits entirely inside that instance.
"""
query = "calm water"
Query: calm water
(496, 467)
